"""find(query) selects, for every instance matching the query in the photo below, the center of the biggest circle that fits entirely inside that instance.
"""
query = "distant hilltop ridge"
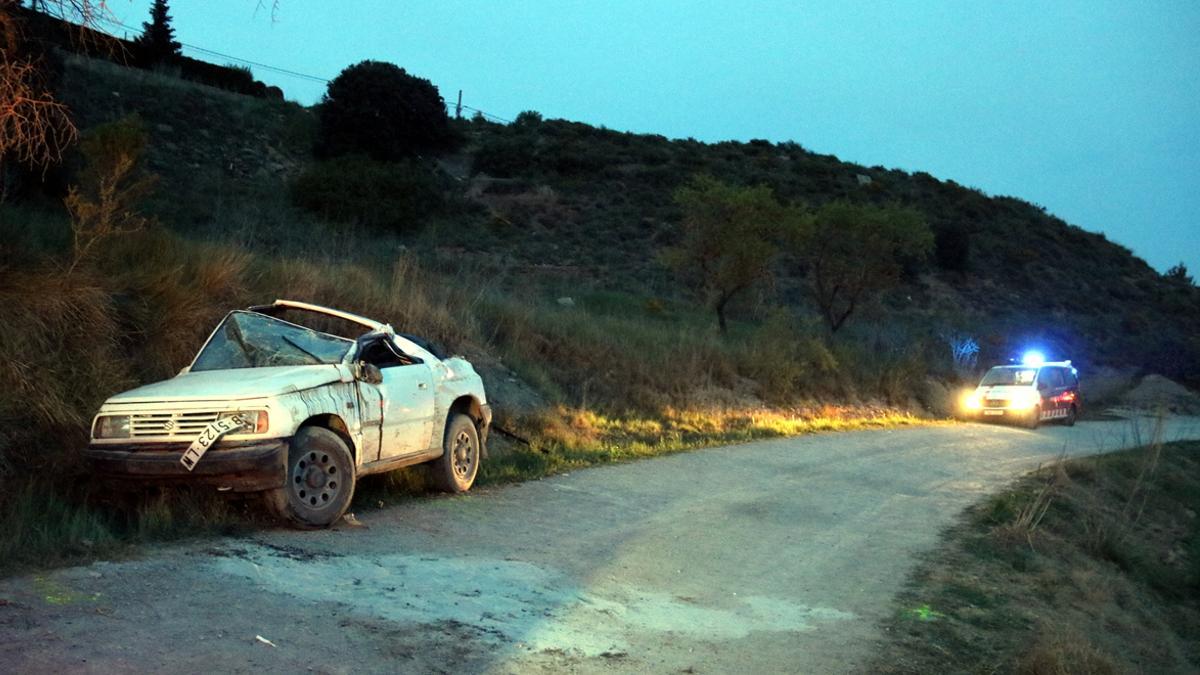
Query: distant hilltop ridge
(51, 32)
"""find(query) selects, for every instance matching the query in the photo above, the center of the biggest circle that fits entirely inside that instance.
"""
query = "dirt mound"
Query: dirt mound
(506, 391)
(1156, 391)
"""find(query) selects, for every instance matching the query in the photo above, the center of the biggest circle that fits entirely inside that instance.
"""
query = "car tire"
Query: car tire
(1035, 418)
(1071, 417)
(456, 469)
(320, 480)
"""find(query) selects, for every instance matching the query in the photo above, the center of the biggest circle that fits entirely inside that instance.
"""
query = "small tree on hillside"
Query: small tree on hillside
(1179, 273)
(729, 238)
(111, 187)
(379, 110)
(853, 251)
(157, 42)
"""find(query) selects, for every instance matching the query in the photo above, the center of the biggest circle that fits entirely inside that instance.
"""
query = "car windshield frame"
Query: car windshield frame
(255, 345)
(1008, 380)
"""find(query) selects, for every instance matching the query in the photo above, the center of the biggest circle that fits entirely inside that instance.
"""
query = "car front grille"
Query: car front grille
(172, 424)
(994, 403)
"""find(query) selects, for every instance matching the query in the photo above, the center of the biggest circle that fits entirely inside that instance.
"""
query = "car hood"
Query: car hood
(1002, 390)
(234, 384)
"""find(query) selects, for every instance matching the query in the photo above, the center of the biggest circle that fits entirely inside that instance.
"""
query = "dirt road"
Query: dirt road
(774, 556)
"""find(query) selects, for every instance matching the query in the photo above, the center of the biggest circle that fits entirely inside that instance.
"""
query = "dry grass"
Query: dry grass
(1087, 566)
(563, 439)
(1024, 526)
(620, 387)
(1057, 653)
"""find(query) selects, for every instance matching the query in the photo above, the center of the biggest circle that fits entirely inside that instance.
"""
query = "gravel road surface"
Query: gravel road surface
(773, 556)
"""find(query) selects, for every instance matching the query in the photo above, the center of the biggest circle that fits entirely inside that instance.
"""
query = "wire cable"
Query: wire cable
(293, 73)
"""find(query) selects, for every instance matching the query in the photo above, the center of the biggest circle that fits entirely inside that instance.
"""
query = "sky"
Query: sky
(1090, 109)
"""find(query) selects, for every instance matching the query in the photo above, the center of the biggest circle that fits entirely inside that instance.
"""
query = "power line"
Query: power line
(285, 71)
(487, 114)
(211, 52)
(282, 71)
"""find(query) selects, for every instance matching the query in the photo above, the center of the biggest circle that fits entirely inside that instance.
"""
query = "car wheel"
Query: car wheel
(320, 480)
(456, 469)
(1072, 416)
(1035, 418)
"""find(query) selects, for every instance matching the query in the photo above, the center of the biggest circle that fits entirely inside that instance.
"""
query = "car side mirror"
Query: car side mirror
(368, 372)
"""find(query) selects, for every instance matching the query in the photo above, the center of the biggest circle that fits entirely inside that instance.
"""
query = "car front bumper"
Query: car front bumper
(997, 414)
(240, 467)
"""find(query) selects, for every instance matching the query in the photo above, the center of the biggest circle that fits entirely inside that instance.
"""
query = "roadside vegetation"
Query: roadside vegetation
(1085, 566)
(80, 325)
(605, 283)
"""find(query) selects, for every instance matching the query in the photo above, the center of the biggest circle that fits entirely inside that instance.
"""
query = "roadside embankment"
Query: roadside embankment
(1090, 565)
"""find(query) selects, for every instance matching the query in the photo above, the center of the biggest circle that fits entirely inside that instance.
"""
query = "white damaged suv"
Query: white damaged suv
(298, 414)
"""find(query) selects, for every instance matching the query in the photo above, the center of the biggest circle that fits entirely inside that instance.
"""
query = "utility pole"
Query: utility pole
(458, 107)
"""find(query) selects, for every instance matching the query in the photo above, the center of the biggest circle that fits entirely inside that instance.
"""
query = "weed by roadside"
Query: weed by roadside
(564, 439)
(1086, 566)
(46, 524)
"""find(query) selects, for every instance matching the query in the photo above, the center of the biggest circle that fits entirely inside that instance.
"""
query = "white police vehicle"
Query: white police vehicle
(1033, 392)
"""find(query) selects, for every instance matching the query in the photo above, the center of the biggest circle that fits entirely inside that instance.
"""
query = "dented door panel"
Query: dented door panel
(408, 410)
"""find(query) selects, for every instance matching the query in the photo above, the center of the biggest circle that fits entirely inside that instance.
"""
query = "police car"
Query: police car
(1033, 392)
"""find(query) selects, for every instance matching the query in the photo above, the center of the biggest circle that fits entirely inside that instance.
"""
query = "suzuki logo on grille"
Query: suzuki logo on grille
(168, 425)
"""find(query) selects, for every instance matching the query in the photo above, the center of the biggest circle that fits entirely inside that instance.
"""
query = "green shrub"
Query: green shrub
(392, 196)
(788, 360)
(506, 156)
(952, 248)
(884, 359)
(378, 109)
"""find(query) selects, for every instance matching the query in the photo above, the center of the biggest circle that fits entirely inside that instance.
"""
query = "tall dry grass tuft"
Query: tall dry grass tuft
(1108, 531)
(1058, 652)
(59, 357)
(1024, 526)
(41, 525)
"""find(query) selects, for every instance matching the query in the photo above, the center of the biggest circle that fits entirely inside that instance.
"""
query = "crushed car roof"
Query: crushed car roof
(275, 307)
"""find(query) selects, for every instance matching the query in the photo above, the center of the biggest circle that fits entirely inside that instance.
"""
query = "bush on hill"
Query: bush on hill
(379, 110)
(391, 196)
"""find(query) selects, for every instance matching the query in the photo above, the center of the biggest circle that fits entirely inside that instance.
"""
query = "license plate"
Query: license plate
(211, 434)
(993, 412)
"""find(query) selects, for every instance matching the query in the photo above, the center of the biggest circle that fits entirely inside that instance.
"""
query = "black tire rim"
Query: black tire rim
(316, 481)
(462, 455)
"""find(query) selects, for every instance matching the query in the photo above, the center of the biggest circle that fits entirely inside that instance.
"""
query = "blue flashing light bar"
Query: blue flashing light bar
(1033, 358)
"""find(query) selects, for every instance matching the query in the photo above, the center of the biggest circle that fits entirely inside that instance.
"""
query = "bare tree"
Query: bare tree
(35, 129)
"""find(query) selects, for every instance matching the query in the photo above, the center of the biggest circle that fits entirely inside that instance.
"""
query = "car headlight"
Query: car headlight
(1026, 399)
(253, 421)
(972, 401)
(111, 426)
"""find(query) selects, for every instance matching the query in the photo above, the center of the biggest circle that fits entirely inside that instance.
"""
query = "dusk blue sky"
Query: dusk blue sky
(1091, 109)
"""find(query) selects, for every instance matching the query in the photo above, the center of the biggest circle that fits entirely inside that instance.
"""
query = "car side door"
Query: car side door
(404, 397)
(1052, 400)
(407, 409)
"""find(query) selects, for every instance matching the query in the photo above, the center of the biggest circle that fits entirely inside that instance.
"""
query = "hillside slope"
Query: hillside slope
(1005, 270)
(566, 207)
